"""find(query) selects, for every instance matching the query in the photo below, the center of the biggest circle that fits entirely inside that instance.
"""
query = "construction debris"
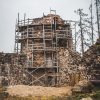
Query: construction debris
(71, 72)
(91, 60)
(11, 68)
(71, 68)
(83, 86)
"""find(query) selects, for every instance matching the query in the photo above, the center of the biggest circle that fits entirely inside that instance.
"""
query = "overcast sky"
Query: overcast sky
(33, 8)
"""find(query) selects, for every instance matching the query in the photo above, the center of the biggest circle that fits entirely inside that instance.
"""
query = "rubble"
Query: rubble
(68, 60)
(73, 70)
(11, 68)
(91, 59)
(83, 86)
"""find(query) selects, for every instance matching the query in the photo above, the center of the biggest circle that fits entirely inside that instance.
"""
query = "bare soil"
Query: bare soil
(24, 90)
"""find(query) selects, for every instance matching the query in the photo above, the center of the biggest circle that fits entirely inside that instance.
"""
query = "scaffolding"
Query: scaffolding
(39, 39)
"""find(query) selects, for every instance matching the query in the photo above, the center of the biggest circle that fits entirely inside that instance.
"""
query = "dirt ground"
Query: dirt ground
(24, 90)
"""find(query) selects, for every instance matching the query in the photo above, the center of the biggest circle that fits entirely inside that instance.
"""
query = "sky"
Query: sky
(9, 10)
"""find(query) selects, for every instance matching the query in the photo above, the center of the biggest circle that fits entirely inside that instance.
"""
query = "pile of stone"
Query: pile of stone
(11, 68)
(71, 69)
(83, 86)
(91, 59)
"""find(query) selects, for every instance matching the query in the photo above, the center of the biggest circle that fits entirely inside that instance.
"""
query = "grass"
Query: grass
(95, 95)
(33, 98)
